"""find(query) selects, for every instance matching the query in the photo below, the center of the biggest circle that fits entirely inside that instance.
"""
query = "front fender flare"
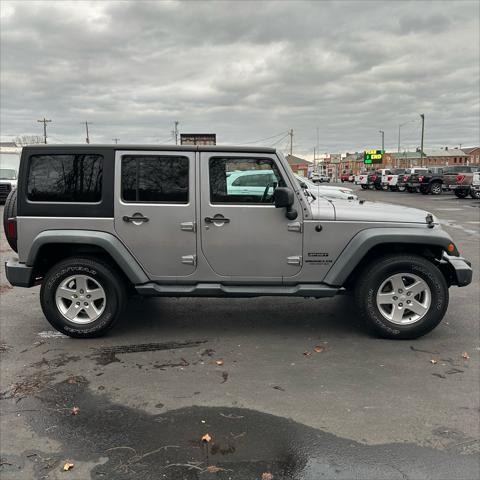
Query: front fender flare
(369, 238)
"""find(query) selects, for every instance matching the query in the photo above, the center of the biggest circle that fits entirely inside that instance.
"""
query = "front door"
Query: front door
(242, 233)
(155, 210)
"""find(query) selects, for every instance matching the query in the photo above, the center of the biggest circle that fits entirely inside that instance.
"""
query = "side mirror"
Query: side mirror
(303, 185)
(283, 198)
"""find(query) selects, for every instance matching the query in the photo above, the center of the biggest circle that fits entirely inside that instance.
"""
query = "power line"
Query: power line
(263, 139)
(278, 141)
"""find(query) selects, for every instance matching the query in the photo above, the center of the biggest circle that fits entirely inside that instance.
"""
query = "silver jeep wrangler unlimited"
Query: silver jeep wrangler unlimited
(95, 223)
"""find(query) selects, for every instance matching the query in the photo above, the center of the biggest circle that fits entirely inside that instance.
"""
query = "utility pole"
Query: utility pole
(383, 138)
(175, 131)
(44, 121)
(422, 115)
(86, 128)
(291, 141)
(115, 140)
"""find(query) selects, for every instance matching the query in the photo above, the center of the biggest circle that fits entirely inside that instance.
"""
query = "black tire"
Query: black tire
(401, 189)
(364, 187)
(112, 283)
(424, 190)
(461, 192)
(436, 188)
(370, 281)
(10, 211)
(377, 186)
(393, 188)
(411, 189)
(475, 194)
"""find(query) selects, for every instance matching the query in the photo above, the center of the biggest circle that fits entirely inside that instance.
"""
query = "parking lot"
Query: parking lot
(294, 388)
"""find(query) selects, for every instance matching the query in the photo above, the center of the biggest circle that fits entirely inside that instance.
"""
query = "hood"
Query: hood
(378, 212)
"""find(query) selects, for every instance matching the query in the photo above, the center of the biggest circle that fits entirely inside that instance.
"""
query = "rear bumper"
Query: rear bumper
(19, 274)
(462, 269)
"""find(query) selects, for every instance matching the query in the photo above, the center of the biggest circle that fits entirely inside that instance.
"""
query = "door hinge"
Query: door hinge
(296, 260)
(189, 260)
(295, 227)
(188, 226)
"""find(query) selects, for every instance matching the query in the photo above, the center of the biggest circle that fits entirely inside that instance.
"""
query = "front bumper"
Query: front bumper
(460, 268)
(19, 274)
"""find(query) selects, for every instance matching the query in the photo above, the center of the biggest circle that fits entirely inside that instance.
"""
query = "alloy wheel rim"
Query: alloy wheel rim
(80, 299)
(436, 188)
(404, 298)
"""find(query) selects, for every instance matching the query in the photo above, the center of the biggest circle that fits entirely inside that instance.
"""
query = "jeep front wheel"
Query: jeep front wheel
(402, 296)
(82, 297)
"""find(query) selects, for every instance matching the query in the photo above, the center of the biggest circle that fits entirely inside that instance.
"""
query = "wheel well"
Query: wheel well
(52, 253)
(430, 252)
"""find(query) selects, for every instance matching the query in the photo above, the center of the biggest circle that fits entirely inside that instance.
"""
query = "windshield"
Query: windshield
(7, 174)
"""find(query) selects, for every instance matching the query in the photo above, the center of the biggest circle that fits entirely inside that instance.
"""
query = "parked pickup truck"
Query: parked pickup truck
(429, 182)
(402, 182)
(8, 182)
(347, 176)
(362, 179)
(390, 179)
(475, 188)
(459, 179)
(176, 221)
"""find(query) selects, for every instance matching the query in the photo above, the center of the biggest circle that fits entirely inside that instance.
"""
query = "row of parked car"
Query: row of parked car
(463, 180)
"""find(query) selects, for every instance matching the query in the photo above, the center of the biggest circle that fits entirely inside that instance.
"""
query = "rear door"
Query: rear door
(242, 233)
(155, 210)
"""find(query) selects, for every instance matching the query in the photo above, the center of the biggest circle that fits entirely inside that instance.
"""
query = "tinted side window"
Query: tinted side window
(155, 178)
(65, 178)
(243, 180)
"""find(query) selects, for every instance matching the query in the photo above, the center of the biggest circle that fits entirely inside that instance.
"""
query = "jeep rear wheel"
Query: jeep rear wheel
(403, 296)
(10, 211)
(82, 297)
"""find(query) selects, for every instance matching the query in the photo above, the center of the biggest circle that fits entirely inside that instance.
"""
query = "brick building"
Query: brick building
(473, 155)
(299, 165)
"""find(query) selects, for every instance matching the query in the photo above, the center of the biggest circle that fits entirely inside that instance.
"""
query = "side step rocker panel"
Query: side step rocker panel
(238, 291)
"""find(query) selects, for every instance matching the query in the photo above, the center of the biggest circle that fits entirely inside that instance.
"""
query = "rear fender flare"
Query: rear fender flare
(106, 241)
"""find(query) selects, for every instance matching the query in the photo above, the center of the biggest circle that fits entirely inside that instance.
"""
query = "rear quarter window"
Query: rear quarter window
(65, 178)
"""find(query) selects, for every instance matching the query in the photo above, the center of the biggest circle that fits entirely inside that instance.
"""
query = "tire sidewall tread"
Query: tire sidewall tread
(110, 281)
(370, 281)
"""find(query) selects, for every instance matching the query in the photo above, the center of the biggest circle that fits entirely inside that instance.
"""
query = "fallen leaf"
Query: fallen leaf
(214, 469)
(465, 355)
(224, 376)
(75, 410)
(319, 349)
(206, 438)
(67, 466)
(219, 362)
(307, 353)
(433, 361)
(267, 476)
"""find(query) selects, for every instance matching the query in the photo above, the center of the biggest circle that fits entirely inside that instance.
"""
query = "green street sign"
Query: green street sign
(373, 156)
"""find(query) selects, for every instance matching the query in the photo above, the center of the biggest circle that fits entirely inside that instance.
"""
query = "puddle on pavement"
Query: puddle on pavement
(127, 443)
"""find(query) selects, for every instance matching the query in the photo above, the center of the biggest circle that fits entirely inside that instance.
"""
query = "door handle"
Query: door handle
(215, 219)
(137, 217)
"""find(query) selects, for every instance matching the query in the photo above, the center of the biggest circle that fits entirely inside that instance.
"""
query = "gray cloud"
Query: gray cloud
(245, 70)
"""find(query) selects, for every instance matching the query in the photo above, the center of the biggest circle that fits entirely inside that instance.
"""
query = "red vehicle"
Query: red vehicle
(347, 176)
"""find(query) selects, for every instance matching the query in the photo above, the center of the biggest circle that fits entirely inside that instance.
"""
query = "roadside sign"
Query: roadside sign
(373, 156)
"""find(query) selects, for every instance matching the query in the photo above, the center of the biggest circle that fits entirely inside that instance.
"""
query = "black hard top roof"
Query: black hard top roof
(185, 148)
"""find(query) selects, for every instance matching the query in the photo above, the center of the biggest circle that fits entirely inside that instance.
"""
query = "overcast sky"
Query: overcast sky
(245, 71)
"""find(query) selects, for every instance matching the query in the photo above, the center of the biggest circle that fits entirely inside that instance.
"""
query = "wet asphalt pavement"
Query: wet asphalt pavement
(246, 372)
